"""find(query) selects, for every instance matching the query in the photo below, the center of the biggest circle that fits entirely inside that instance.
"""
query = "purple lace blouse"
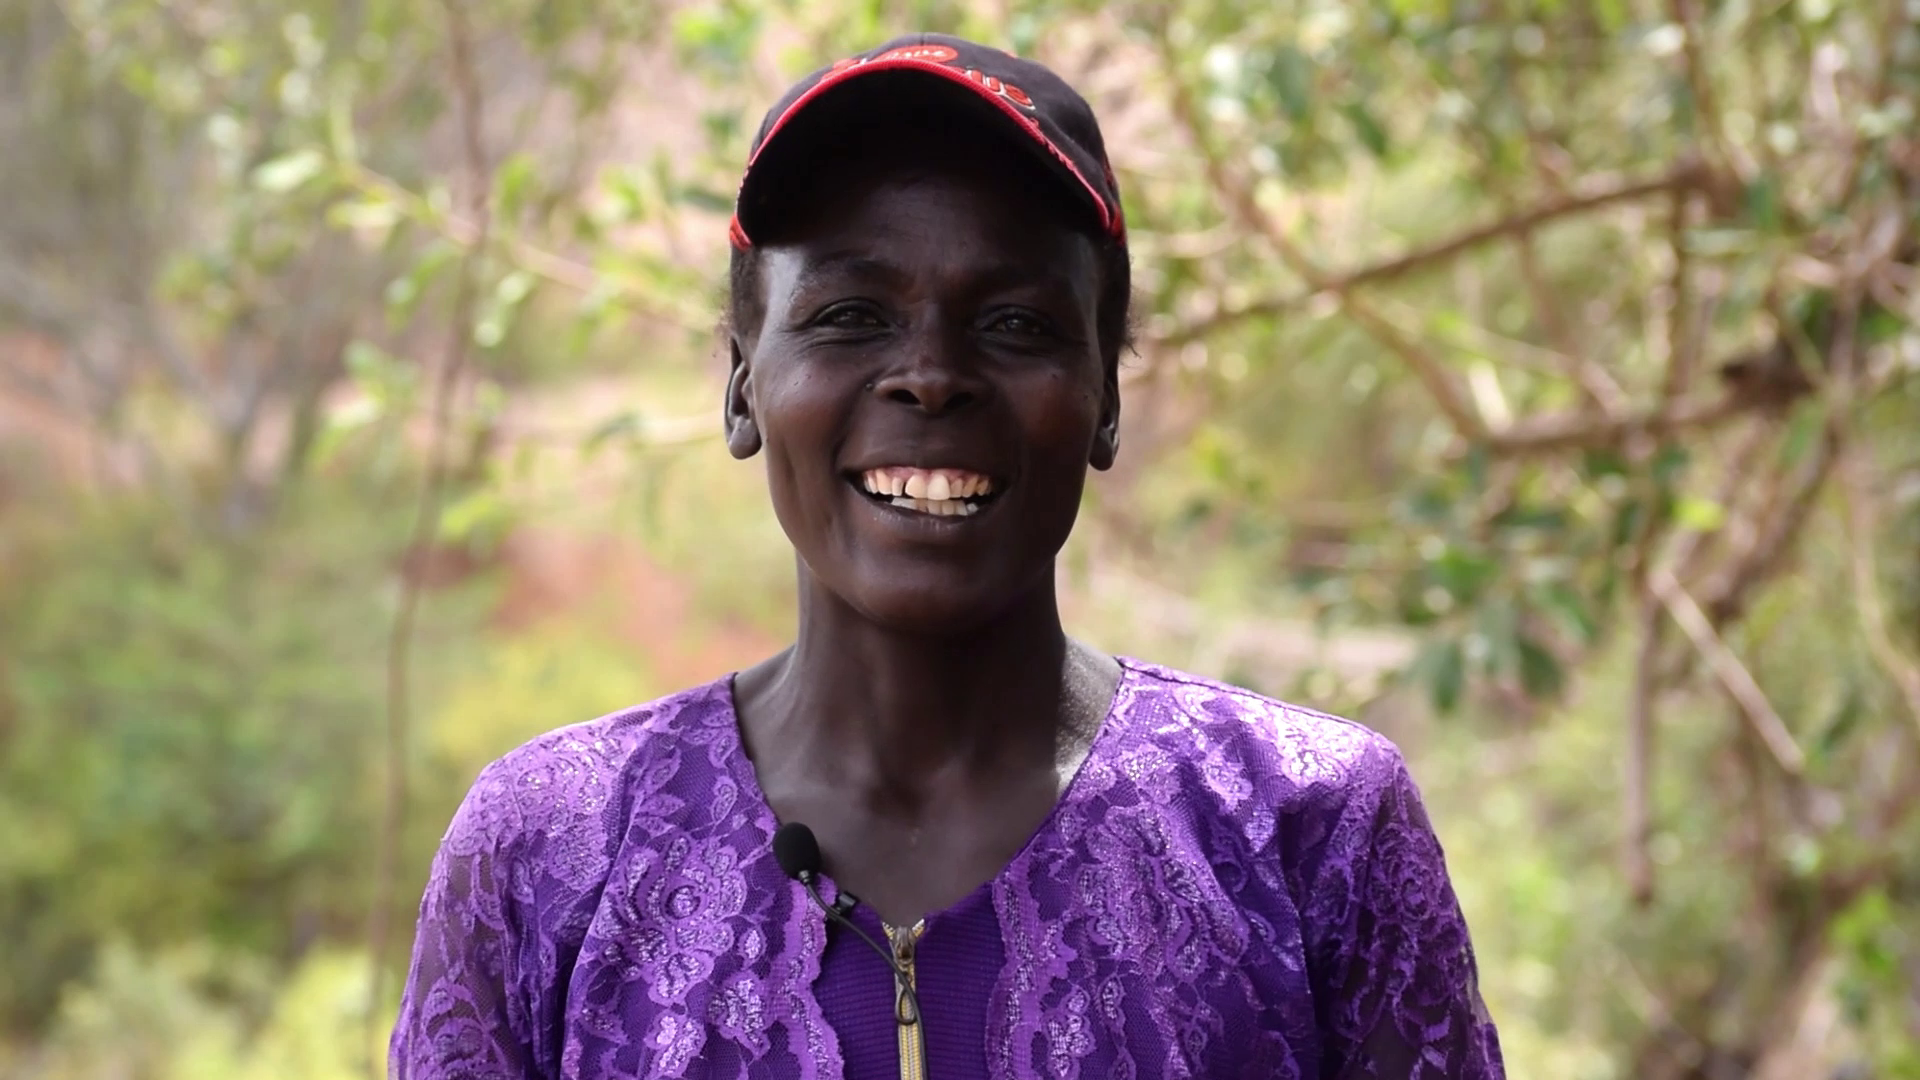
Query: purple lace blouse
(1229, 887)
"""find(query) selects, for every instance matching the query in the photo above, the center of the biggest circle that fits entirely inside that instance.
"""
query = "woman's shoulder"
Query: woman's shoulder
(573, 781)
(1305, 747)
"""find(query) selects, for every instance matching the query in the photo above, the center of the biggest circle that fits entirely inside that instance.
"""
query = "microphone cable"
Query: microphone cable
(798, 854)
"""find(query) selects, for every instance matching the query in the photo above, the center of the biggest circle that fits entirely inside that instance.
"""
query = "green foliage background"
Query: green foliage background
(1533, 380)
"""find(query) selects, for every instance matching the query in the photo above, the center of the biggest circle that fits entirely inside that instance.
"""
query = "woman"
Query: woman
(1082, 866)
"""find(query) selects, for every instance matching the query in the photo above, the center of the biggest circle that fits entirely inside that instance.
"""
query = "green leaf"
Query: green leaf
(705, 199)
(1880, 326)
(479, 514)
(1366, 128)
(1802, 432)
(379, 375)
(1023, 32)
(1290, 74)
(1762, 198)
(489, 401)
(1669, 464)
(1524, 516)
(1627, 523)
(502, 310)
(491, 329)
(1463, 573)
(1442, 666)
(404, 292)
(340, 135)
(513, 288)
(341, 424)
(1540, 673)
(1845, 719)
(1602, 462)
(366, 362)
(1214, 459)
(514, 182)
(289, 171)
(370, 215)
(1476, 465)
(1499, 624)
(1570, 610)
(625, 424)
(1721, 243)
(1698, 514)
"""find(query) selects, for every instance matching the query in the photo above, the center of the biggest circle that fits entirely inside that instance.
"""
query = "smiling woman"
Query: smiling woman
(925, 326)
(1083, 866)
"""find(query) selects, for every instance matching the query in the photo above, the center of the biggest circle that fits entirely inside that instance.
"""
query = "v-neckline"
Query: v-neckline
(748, 779)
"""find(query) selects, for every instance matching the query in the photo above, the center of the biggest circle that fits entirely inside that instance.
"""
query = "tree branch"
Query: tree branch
(1692, 546)
(1731, 673)
(1705, 106)
(547, 265)
(1241, 198)
(32, 387)
(1602, 390)
(1863, 530)
(1593, 193)
(1637, 790)
(1777, 533)
(135, 327)
(1578, 430)
(426, 518)
(1683, 351)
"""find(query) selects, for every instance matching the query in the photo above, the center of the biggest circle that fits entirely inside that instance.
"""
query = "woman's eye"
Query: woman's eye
(851, 317)
(1014, 322)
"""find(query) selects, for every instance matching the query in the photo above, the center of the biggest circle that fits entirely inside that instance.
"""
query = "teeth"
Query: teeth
(930, 491)
(943, 508)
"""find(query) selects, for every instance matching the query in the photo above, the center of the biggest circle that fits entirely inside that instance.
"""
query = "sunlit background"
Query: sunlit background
(1532, 379)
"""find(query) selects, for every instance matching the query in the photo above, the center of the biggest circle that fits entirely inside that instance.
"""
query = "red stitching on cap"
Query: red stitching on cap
(1109, 216)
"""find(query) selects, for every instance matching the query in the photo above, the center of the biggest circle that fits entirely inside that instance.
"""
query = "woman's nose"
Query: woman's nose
(935, 376)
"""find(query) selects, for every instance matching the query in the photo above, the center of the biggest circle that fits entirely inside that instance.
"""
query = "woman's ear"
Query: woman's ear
(1106, 438)
(743, 432)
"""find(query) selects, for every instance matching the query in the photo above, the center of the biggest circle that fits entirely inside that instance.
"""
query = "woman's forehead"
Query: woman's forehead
(899, 227)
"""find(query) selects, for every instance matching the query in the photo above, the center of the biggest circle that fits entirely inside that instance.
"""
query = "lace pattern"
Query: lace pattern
(1231, 887)
(606, 905)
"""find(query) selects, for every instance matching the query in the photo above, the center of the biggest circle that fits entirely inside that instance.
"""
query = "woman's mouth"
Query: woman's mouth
(936, 492)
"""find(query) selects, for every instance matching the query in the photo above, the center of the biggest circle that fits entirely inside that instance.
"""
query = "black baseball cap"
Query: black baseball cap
(960, 78)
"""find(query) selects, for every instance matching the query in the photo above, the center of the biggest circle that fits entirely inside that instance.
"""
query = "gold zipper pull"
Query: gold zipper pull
(913, 1051)
(902, 939)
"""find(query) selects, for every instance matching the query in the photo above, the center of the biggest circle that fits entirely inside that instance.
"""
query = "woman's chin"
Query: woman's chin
(933, 609)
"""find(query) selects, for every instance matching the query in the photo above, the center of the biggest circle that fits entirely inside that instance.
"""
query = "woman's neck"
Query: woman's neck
(892, 718)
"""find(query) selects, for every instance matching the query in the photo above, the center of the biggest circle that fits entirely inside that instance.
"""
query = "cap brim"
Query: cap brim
(840, 111)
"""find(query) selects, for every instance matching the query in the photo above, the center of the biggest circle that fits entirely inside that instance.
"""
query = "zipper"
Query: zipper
(913, 1047)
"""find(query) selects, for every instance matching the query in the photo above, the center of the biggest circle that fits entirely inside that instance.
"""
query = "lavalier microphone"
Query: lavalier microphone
(798, 853)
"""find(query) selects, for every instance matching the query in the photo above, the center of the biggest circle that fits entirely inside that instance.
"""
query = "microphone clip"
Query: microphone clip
(843, 901)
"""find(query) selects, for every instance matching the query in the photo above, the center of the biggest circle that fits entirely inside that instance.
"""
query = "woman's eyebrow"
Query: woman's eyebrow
(867, 268)
(860, 265)
(1019, 274)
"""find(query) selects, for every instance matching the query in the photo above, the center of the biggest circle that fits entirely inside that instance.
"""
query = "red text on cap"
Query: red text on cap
(933, 54)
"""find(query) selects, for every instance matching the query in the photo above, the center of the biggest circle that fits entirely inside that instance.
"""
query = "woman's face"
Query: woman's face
(929, 389)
